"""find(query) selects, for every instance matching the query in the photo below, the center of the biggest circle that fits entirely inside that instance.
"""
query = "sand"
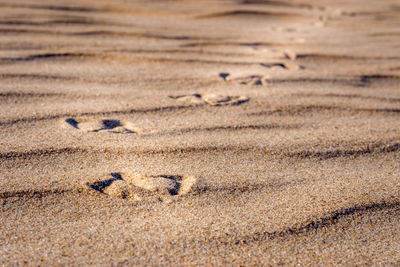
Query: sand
(223, 132)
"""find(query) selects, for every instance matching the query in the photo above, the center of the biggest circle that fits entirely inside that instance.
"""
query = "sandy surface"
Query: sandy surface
(200, 132)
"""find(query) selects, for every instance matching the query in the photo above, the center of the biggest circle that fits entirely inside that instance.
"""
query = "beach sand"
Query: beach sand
(223, 132)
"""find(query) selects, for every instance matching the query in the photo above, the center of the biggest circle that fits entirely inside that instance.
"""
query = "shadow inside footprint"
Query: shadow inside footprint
(100, 186)
(72, 122)
(111, 124)
(176, 178)
(224, 75)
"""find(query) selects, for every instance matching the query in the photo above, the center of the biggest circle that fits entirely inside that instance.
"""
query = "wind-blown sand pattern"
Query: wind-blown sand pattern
(235, 132)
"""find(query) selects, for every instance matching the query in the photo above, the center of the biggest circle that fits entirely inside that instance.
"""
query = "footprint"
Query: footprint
(113, 126)
(254, 80)
(218, 100)
(212, 99)
(138, 187)
(281, 65)
(194, 98)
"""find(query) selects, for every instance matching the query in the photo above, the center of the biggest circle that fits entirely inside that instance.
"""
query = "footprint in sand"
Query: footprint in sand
(113, 126)
(281, 65)
(137, 187)
(248, 80)
(253, 80)
(212, 99)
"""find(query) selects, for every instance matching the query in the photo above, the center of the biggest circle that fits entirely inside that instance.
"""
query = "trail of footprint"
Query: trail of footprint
(212, 99)
(138, 187)
(113, 126)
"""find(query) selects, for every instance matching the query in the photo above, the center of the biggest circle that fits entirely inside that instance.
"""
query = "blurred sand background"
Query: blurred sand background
(252, 132)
